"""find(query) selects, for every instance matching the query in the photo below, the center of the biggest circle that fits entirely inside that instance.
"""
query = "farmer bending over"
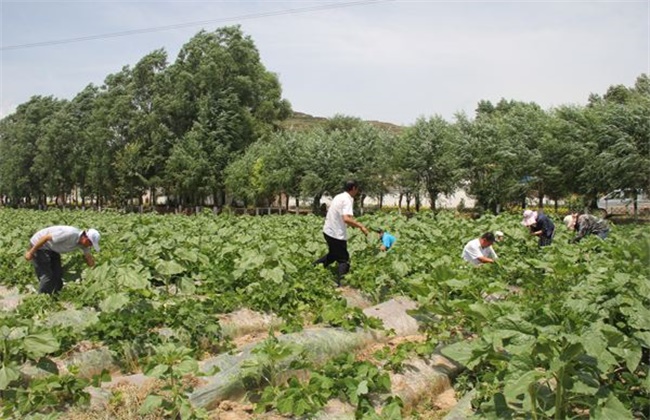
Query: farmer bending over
(479, 251)
(586, 224)
(387, 240)
(46, 247)
(540, 225)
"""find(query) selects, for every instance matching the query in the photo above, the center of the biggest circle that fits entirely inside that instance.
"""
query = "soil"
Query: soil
(254, 337)
(368, 352)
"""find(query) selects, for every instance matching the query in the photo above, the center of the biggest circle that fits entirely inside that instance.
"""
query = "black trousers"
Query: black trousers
(337, 251)
(546, 240)
(48, 270)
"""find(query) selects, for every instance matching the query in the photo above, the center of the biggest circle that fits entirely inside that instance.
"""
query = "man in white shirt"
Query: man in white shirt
(46, 247)
(479, 251)
(339, 216)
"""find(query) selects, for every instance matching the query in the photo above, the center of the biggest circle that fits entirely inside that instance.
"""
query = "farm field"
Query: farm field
(176, 303)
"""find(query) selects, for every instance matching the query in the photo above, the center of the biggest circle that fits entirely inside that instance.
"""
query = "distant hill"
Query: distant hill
(300, 121)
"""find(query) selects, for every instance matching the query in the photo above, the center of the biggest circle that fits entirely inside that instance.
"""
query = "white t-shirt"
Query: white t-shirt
(334, 225)
(473, 251)
(64, 239)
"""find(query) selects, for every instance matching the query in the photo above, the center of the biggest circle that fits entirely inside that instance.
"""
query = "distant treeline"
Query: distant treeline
(209, 128)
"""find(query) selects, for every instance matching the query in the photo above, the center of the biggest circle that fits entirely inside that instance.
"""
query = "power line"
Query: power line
(197, 23)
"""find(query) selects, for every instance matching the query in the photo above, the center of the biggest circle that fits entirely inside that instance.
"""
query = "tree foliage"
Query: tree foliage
(206, 126)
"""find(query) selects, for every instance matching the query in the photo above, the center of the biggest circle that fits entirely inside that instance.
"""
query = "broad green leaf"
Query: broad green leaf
(114, 302)
(301, 407)
(250, 260)
(638, 316)
(151, 403)
(460, 352)
(169, 268)
(128, 278)
(187, 286)
(613, 409)
(7, 375)
(392, 411)
(457, 284)
(158, 371)
(643, 337)
(285, 406)
(572, 351)
(275, 275)
(187, 366)
(186, 254)
(632, 356)
(481, 309)
(596, 346)
(362, 389)
(582, 388)
(186, 410)
(400, 268)
(519, 386)
(39, 344)
(501, 406)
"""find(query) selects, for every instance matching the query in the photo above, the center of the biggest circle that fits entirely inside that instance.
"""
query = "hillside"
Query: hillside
(301, 121)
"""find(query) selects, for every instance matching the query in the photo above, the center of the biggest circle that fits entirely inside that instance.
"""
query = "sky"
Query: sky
(393, 61)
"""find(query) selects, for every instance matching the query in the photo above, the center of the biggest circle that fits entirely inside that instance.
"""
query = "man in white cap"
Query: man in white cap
(540, 225)
(46, 247)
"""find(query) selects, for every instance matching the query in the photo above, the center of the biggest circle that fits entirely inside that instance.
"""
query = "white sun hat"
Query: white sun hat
(93, 235)
(530, 217)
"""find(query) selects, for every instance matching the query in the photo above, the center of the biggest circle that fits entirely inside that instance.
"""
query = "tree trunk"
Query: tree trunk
(316, 205)
(433, 196)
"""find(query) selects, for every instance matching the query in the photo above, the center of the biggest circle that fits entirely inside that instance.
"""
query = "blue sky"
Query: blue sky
(391, 61)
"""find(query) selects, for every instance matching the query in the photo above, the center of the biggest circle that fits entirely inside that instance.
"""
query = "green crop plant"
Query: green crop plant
(174, 366)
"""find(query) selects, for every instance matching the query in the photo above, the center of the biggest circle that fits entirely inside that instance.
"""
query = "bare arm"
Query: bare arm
(485, 260)
(351, 221)
(30, 254)
(89, 259)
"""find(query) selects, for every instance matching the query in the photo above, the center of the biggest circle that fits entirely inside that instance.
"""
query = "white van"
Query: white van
(622, 202)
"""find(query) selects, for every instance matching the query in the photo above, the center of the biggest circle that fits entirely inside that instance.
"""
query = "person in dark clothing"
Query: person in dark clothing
(586, 224)
(540, 225)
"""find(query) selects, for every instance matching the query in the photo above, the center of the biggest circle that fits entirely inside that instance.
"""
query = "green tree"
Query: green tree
(225, 96)
(429, 154)
(19, 135)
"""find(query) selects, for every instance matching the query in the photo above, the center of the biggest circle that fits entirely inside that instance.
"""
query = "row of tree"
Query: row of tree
(507, 153)
(208, 127)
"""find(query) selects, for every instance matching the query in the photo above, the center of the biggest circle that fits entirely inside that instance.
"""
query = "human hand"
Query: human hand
(29, 255)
